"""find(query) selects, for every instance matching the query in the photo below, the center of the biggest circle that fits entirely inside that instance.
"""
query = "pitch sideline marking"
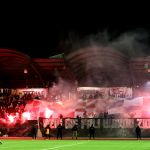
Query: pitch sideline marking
(64, 146)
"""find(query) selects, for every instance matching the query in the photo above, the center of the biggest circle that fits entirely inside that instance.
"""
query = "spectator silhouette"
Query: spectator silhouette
(34, 131)
(59, 131)
(92, 132)
(75, 131)
(47, 132)
(138, 132)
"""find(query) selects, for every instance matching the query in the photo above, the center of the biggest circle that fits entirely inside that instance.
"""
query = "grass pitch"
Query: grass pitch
(75, 145)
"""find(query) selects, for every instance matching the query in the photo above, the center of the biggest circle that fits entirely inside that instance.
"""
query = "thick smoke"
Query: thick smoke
(103, 61)
(63, 95)
(97, 61)
(133, 43)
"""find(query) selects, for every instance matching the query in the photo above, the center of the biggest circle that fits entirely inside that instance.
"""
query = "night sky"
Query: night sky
(39, 32)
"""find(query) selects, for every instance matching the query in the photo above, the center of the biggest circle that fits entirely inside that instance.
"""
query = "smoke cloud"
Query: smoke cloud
(97, 61)
(102, 60)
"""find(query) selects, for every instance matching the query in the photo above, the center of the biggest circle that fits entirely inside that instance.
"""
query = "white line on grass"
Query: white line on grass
(63, 146)
(4, 147)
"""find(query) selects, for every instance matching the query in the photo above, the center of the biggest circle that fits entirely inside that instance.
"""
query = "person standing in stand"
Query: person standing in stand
(138, 132)
(92, 131)
(75, 131)
(59, 131)
(34, 131)
(47, 132)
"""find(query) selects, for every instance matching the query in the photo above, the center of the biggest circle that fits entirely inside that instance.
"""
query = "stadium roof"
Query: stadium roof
(40, 72)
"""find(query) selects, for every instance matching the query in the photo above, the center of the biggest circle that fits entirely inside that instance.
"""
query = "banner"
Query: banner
(120, 92)
(103, 93)
(40, 92)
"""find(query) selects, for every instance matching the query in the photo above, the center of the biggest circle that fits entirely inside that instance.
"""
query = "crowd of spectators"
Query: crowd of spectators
(84, 95)
(14, 103)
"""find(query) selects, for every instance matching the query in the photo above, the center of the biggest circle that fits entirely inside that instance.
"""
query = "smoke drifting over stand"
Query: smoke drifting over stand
(100, 60)
(97, 61)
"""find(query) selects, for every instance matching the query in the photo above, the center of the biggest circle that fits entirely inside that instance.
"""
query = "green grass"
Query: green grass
(75, 145)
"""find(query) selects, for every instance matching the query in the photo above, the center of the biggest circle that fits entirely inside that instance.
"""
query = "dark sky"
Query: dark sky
(39, 32)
